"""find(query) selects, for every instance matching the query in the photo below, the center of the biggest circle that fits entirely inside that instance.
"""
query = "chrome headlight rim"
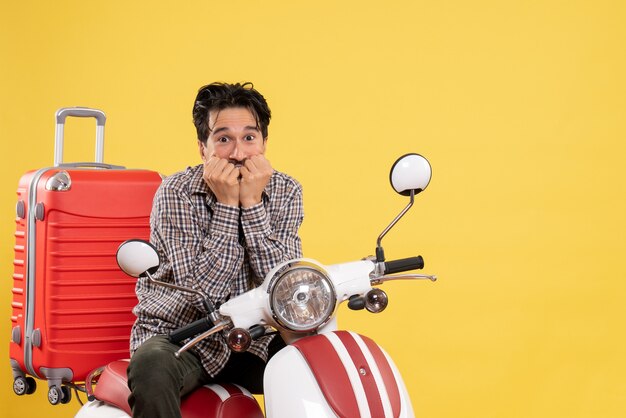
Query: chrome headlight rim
(297, 265)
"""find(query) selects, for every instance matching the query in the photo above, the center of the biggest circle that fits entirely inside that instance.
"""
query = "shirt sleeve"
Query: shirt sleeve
(272, 240)
(202, 251)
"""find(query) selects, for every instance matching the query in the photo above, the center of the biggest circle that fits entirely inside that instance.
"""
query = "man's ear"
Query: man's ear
(264, 144)
(201, 148)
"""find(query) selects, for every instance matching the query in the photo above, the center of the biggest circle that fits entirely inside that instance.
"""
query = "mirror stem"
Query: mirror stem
(205, 300)
(380, 253)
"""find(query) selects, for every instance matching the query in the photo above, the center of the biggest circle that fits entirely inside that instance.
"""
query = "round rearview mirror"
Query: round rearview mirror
(410, 172)
(135, 257)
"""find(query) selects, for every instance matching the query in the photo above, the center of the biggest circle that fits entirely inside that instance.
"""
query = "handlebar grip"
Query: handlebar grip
(257, 331)
(404, 264)
(190, 330)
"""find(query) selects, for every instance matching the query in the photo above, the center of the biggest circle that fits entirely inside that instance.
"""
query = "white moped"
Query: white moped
(322, 372)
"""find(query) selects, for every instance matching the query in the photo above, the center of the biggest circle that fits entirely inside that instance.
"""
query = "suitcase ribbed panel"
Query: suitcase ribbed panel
(89, 300)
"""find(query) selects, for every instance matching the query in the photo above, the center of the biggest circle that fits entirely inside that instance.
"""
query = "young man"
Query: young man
(219, 227)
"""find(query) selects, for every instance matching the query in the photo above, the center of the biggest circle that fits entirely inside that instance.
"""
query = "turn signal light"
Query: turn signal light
(376, 300)
(239, 340)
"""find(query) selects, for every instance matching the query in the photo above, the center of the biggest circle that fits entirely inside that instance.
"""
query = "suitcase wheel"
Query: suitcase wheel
(58, 395)
(24, 385)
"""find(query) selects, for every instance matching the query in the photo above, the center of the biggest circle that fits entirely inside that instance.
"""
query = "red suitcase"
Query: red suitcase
(71, 308)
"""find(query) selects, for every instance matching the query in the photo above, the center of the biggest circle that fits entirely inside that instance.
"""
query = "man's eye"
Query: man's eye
(223, 139)
(249, 137)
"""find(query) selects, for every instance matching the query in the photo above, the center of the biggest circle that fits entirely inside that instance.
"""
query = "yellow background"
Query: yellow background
(519, 105)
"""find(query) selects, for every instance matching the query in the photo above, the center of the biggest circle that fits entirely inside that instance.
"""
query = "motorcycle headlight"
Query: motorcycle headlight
(301, 297)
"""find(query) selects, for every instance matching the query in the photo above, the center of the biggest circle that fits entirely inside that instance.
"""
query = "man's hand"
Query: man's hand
(222, 178)
(255, 174)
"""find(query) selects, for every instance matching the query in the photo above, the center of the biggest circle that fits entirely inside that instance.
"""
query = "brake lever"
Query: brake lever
(217, 328)
(387, 278)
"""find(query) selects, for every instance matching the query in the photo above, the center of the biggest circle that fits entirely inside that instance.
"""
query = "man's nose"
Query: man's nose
(237, 152)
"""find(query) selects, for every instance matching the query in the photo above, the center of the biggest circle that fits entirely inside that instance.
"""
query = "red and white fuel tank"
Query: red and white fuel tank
(336, 374)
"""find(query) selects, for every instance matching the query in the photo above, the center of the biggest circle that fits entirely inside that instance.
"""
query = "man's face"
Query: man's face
(233, 136)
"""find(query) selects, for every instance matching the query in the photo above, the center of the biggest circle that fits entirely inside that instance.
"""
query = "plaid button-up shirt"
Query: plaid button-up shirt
(221, 250)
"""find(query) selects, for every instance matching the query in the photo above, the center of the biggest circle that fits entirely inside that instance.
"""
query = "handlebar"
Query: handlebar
(190, 330)
(404, 264)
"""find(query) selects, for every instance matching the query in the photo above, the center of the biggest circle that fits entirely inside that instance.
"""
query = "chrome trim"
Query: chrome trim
(92, 377)
(59, 182)
(395, 221)
(292, 265)
(298, 265)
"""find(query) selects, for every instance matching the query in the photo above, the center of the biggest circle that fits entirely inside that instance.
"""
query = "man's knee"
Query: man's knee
(153, 363)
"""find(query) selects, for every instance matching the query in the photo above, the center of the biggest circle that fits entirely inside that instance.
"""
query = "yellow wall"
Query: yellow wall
(519, 105)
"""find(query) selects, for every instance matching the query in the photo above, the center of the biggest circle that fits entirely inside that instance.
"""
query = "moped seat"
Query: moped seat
(209, 401)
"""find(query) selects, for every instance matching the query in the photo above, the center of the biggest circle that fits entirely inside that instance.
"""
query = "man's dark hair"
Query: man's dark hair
(220, 96)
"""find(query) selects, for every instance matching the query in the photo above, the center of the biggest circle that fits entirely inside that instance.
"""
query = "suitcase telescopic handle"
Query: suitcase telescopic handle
(81, 112)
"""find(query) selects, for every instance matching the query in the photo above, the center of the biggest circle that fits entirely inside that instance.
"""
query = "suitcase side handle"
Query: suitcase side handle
(81, 112)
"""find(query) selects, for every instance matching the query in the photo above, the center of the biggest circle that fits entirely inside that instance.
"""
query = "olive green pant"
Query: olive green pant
(158, 379)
